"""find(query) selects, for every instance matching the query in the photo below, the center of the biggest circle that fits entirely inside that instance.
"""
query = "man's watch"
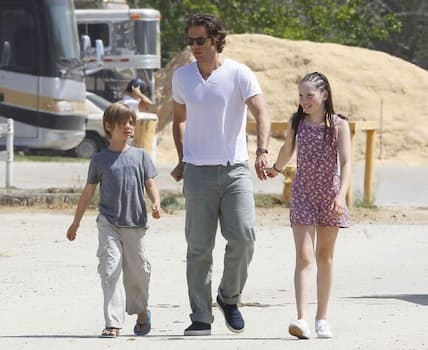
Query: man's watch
(260, 151)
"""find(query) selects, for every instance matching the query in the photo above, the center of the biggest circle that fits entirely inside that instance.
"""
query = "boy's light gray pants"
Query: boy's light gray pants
(213, 194)
(122, 249)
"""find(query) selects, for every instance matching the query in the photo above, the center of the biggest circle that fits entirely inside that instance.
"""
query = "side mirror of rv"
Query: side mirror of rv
(5, 54)
(99, 48)
(85, 46)
(93, 66)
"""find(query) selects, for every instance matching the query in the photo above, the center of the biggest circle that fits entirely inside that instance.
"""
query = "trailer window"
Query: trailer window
(95, 31)
(124, 35)
(147, 37)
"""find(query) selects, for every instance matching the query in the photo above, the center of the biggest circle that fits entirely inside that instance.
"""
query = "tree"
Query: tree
(410, 43)
(349, 22)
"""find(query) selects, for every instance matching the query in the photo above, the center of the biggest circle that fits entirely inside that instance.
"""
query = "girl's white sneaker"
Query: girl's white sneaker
(323, 329)
(299, 329)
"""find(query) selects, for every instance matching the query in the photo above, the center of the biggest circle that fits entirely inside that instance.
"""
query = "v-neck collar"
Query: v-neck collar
(211, 76)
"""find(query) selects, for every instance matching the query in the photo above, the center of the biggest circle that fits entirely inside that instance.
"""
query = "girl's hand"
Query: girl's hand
(156, 211)
(271, 172)
(339, 205)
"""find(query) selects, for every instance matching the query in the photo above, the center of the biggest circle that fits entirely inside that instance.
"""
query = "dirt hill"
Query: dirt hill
(366, 85)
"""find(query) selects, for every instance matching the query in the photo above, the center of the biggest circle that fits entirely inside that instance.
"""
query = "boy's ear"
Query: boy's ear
(108, 127)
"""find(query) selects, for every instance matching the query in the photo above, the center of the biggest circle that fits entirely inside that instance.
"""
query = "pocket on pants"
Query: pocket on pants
(109, 250)
(109, 259)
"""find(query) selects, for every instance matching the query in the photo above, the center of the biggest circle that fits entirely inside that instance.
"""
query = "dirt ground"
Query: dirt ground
(390, 215)
(381, 215)
(52, 297)
(394, 215)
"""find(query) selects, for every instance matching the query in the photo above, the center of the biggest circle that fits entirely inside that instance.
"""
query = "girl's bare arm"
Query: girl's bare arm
(344, 143)
(285, 153)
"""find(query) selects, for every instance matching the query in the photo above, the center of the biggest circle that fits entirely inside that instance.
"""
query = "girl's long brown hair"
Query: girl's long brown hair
(321, 82)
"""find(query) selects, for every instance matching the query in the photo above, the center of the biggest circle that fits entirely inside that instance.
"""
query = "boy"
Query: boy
(123, 172)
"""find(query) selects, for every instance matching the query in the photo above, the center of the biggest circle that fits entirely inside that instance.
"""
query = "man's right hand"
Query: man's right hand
(177, 172)
(72, 232)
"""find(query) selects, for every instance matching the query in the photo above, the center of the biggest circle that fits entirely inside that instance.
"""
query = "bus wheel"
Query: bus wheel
(88, 147)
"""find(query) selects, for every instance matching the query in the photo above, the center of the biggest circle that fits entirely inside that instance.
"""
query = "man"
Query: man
(210, 98)
(134, 96)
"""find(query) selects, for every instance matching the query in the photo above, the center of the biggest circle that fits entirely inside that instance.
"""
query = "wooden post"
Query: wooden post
(349, 198)
(289, 173)
(144, 135)
(369, 167)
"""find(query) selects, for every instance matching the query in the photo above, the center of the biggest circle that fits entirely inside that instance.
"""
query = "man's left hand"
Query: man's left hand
(262, 162)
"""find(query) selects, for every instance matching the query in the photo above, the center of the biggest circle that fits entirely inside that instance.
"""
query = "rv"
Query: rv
(41, 74)
(131, 39)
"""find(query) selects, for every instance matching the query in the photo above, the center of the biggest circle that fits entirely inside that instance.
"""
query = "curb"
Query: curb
(43, 197)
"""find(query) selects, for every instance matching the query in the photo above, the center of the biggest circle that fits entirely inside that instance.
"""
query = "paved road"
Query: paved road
(51, 294)
(393, 185)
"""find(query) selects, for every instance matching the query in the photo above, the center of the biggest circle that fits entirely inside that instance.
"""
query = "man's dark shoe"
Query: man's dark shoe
(198, 328)
(233, 317)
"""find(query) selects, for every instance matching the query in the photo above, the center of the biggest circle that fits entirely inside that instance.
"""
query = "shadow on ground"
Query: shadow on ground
(420, 299)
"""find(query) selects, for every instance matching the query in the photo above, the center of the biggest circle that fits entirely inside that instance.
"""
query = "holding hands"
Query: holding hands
(262, 162)
(272, 171)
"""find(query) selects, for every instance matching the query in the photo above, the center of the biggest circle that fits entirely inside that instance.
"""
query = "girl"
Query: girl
(318, 195)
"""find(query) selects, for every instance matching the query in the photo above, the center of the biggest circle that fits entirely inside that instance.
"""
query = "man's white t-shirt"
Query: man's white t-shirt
(216, 113)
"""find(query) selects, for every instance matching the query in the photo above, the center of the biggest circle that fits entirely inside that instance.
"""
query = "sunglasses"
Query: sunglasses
(199, 41)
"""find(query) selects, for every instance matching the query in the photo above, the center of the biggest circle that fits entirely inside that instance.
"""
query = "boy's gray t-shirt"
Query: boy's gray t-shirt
(121, 176)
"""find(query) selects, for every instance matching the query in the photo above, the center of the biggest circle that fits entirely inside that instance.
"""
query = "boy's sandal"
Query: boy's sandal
(110, 332)
(143, 328)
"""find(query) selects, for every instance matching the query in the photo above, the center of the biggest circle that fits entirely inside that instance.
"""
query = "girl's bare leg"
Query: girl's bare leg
(326, 239)
(304, 236)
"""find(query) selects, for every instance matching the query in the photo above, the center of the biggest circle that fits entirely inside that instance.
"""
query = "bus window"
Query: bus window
(64, 36)
(17, 27)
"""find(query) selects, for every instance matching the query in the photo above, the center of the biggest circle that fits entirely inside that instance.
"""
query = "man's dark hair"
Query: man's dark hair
(136, 83)
(214, 27)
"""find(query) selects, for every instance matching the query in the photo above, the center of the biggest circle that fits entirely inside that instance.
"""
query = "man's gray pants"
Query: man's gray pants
(213, 194)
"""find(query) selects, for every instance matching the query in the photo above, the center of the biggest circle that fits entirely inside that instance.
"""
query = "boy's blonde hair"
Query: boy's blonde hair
(117, 113)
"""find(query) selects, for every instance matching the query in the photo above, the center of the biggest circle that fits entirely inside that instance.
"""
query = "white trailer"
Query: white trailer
(131, 39)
